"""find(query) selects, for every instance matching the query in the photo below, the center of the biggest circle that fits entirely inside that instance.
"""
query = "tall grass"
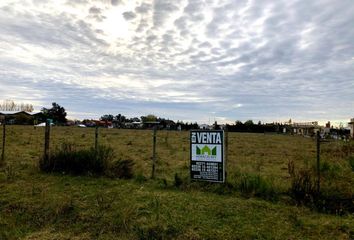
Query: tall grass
(68, 159)
(255, 185)
(351, 162)
(326, 199)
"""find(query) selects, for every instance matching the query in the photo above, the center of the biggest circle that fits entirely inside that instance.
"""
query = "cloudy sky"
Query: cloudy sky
(192, 60)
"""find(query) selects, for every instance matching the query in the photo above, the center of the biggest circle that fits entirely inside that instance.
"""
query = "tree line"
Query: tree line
(10, 105)
(57, 114)
(148, 121)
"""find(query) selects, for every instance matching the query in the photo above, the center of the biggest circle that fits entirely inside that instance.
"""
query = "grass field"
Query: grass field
(36, 205)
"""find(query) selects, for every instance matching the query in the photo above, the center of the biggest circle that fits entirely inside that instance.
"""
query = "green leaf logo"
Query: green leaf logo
(206, 151)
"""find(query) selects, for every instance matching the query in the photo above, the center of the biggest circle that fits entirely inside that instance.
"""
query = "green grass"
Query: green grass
(36, 205)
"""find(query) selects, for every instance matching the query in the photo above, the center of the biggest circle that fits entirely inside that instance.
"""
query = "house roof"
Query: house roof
(9, 113)
(152, 122)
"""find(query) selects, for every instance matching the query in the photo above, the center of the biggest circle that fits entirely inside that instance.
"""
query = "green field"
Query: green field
(36, 205)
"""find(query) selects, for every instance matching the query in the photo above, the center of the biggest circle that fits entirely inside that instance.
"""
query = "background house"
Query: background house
(21, 117)
(306, 128)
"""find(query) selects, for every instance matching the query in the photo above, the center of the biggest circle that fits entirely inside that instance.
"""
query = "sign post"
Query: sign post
(207, 161)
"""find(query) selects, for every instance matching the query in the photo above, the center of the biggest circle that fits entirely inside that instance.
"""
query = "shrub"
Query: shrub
(255, 185)
(303, 187)
(351, 162)
(140, 178)
(178, 181)
(121, 169)
(223, 189)
(69, 160)
(154, 232)
(304, 191)
(163, 182)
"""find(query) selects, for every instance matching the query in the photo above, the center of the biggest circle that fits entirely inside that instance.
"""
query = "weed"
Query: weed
(3, 234)
(121, 169)
(304, 191)
(255, 185)
(351, 162)
(103, 202)
(303, 187)
(259, 164)
(296, 221)
(163, 183)
(178, 181)
(140, 178)
(10, 173)
(149, 232)
(334, 204)
(325, 167)
(69, 160)
(156, 232)
(224, 189)
(65, 207)
(291, 167)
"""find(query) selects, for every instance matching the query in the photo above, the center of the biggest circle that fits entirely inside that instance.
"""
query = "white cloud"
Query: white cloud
(245, 59)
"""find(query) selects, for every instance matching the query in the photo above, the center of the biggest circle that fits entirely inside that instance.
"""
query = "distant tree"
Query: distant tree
(134, 119)
(149, 118)
(57, 113)
(238, 123)
(120, 118)
(216, 126)
(249, 123)
(107, 117)
(10, 105)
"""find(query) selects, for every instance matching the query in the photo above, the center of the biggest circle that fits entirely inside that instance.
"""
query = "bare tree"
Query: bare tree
(10, 105)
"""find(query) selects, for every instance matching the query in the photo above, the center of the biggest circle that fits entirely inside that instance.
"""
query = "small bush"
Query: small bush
(152, 232)
(163, 183)
(255, 185)
(140, 178)
(69, 160)
(121, 169)
(224, 189)
(304, 191)
(178, 181)
(327, 169)
(303, 187)
(351, 162)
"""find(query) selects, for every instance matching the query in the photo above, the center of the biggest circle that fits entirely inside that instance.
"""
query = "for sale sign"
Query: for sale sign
(207, 155)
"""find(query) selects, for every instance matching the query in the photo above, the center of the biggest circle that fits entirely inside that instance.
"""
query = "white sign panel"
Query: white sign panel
(207, 155)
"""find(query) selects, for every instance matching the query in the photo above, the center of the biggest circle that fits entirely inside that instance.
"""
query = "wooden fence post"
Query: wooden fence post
(47, 140)
(96, 139)
(153, 152)
(3, 142)
(226, 150)
(318, 140)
